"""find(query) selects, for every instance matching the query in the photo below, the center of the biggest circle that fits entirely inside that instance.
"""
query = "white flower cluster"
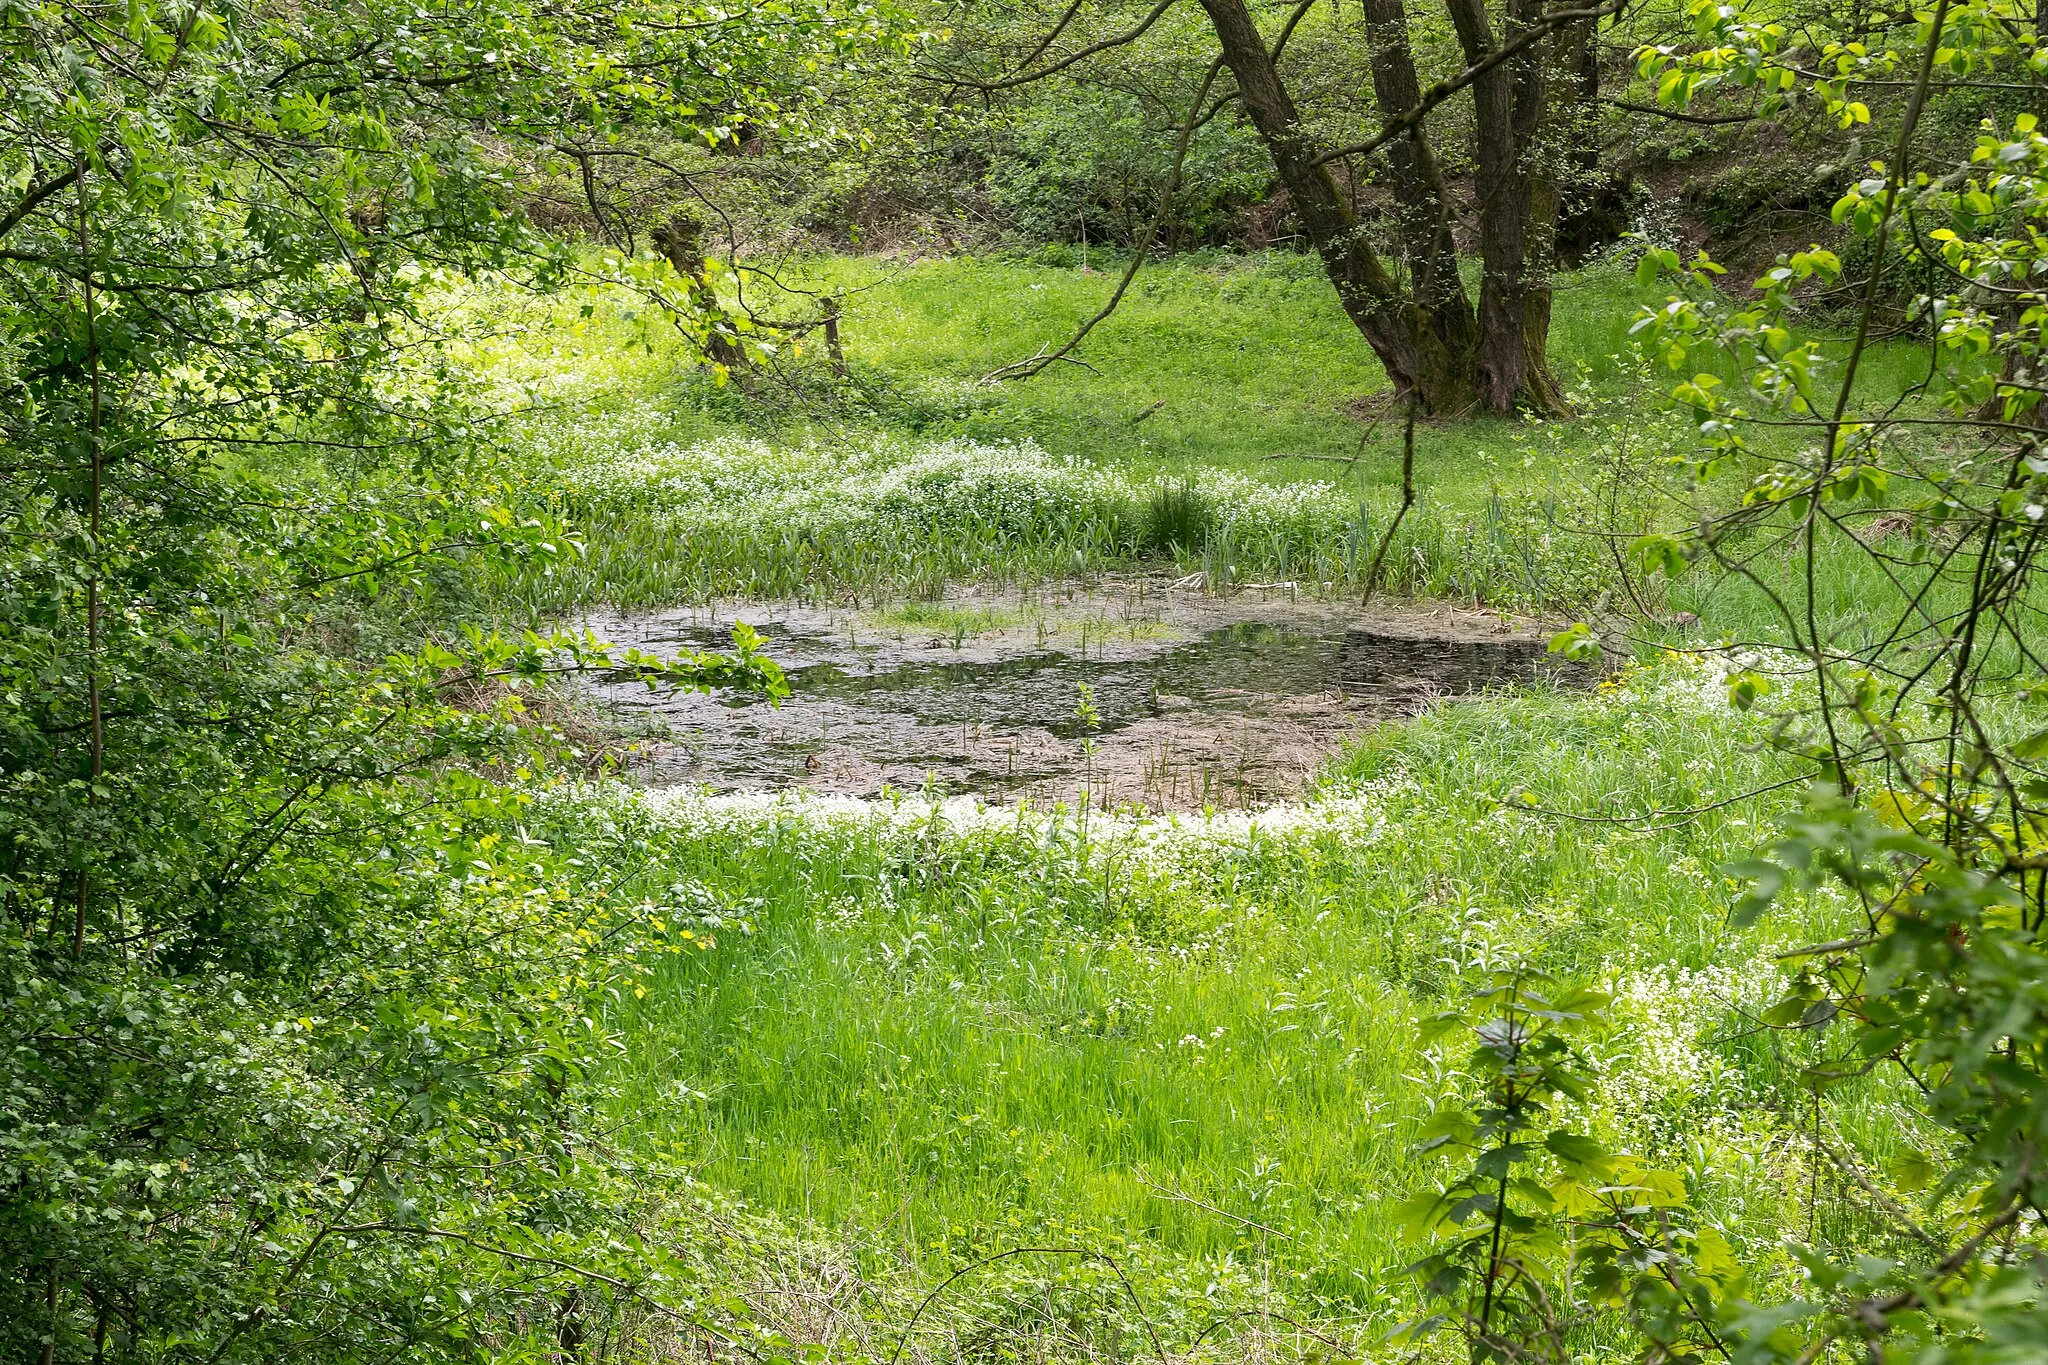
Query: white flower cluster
(1667, 1081)
(934, 484)
(1167, 845)
(1694, 683)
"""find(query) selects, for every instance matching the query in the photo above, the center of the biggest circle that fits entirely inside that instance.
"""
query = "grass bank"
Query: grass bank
(934, 1033)
(1230, 421)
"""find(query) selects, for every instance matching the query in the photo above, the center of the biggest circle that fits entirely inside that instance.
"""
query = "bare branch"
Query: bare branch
(1054, 36)
(1130, 35)
(1538, 29)
(1293, 22)
(1706, 120)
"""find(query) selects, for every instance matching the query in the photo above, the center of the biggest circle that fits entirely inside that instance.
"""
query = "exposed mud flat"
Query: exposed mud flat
(1130, 691)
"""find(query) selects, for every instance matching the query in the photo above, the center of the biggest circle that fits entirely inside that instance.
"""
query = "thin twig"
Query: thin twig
(1372, 575)
(1177, 1193)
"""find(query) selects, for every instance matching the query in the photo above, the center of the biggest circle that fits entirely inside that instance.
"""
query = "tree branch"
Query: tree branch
(1706, 120)
(1131, 35)
(1024, 369)
(36, 195)
(1538, 29)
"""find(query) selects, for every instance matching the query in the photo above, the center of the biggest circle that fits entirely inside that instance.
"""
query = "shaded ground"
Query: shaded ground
(1132, 692)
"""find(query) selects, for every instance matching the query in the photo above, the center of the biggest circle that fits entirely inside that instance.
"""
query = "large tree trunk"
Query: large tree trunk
(1594, 207)
(1418, 353)
(1421, 202)
(1436, 349)
(1517, 214)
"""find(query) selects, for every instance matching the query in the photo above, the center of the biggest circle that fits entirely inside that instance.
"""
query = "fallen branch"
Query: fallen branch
(1040, 359)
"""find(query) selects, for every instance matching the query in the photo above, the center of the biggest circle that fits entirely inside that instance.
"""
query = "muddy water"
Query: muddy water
(1131, 692)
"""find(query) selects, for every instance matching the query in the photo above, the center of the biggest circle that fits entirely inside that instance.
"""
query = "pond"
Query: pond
(1131, 692)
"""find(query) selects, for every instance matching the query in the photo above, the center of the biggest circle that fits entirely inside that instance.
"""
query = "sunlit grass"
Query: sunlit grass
(1213, 367)
(930, 1045)
(1239, 362)
(940, 1044)
(979, 619)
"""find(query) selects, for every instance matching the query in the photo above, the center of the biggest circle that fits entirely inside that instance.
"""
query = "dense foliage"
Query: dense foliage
(1929, 805)
(1913, 714)
(295, 1017)
(325, 1029)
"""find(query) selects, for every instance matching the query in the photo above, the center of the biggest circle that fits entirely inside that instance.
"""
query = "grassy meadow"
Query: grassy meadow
(906, 1036)
(927, 1034)
(1228, 421)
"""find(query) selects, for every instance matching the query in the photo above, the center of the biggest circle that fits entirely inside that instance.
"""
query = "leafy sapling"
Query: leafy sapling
(1539, 1233)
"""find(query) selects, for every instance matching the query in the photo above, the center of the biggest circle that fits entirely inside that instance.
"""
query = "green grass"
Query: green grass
(921, 1040)
(1211, 361)
(1504, 555)
(1252, 358)
(1248, 359)
(945, 617)
(933, 1043)
(1213, 366)
(1229, 361)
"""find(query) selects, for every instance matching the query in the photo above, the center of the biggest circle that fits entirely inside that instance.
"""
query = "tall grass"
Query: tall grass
(939, 1032)
(879, 518)
(634, 561)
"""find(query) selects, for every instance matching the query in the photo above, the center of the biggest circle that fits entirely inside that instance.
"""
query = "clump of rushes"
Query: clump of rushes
(881, 518)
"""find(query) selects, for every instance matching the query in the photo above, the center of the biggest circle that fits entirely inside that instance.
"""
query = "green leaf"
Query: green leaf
(1574, 1148)
(1746, 688)
(1419, 1213)
(1766, 880)
(1660, 553)
(1576, 643)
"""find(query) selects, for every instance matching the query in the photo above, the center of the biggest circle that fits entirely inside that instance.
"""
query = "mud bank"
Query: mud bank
(1131, 691)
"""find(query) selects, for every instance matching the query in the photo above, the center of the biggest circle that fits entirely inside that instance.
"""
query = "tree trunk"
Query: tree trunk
(1517, 215)
(1401, 332)
(1434, 346)
(1421, 202)
(2015, 369)
(1593, 210)
(681, 240)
